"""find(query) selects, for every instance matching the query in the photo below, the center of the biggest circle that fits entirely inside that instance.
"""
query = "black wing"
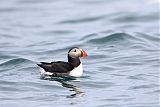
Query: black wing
(56, 67)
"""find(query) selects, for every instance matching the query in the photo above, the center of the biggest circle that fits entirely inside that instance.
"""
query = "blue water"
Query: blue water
(120, 36)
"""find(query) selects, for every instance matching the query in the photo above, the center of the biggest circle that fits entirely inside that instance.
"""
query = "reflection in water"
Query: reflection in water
(74, 88)
(65, 83)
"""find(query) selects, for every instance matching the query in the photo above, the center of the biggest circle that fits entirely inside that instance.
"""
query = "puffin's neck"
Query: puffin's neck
(74, 61)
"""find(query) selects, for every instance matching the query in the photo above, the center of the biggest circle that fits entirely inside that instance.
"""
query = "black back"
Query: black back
(57, 67)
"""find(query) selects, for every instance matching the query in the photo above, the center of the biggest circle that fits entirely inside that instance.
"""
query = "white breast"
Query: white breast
(77, 72)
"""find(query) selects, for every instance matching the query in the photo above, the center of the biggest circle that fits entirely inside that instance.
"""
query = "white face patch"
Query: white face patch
(75, 53)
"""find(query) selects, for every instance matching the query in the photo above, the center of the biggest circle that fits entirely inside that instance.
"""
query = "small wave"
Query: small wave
(97, 84)
(137, 77)
(157, 91)
(57, 32)
(15, 62)
(96, 57)
(89, 36)
(9, 36)
(134, 40)
(83, 20)
(8, 10)
(144, 86)
(109, 38)
(128, 18)
(33, 2)
(5, 56)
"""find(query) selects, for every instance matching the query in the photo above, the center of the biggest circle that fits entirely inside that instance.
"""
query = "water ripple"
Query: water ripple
(109, 38)
(144, 86)
(83, 20)
(15, 62)
(129, 18)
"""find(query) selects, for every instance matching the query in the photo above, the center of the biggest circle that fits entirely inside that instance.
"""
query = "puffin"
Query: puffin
(72, 68)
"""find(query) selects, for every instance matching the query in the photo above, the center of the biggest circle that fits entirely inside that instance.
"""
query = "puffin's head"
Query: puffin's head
(77, 52)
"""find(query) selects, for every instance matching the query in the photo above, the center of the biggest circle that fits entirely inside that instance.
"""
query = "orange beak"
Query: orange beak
(84, 54)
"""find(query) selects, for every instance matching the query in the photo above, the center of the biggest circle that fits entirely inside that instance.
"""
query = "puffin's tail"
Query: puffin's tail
(40, 65)
(44, 65)
(42, 71)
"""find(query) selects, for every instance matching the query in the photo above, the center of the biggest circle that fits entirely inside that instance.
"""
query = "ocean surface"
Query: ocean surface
(122, 40)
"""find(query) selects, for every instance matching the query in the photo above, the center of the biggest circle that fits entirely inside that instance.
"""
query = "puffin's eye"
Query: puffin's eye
(75, 50)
